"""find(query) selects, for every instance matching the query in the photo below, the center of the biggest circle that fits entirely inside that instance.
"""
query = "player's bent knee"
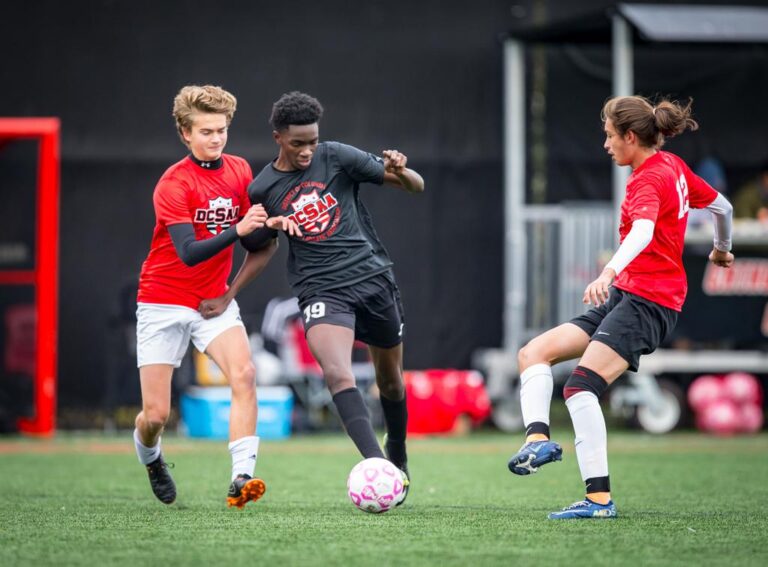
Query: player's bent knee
(337, 372)
(244, 378)
(532, 354)
(244, 391)
(584, 380)
(155, 419)
(339, 381)
(393, 389)
(522, 358)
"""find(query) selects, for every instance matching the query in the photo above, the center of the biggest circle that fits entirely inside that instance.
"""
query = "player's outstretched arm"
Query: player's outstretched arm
(192, 251)
(395, 172)
(253, 264)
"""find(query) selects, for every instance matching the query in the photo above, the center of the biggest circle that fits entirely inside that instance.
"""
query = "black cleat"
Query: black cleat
(397, 455)
(161, 481)
(245, 489)
(406, 482)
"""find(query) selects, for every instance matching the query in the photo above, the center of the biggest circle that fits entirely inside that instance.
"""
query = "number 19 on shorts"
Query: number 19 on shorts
(314, 311)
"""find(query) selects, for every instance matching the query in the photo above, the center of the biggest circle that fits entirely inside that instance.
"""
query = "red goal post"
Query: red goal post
(44, 275)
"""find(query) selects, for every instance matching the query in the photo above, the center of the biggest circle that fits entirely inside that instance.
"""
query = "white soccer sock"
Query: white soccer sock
(591, 436)
(244, 452)
(536, 385)
(146, 454)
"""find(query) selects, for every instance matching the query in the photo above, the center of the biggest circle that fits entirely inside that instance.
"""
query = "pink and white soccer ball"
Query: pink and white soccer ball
(704, 390)
(743, 388)
(375, 485)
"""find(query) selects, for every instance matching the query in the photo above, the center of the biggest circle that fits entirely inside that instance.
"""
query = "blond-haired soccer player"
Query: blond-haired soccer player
(201, 207)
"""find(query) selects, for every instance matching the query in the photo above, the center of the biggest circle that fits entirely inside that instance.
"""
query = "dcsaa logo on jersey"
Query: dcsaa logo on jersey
(313, 213)
(219, 215)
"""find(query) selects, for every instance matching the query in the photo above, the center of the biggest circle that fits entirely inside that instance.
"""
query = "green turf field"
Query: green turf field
(683, 499)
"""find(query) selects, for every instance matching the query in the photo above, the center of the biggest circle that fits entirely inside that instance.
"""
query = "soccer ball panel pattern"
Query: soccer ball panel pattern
(375, 485)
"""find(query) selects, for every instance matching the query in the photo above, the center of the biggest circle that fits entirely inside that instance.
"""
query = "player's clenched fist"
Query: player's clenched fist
(721, 258)
(394, 161)
(253, 219)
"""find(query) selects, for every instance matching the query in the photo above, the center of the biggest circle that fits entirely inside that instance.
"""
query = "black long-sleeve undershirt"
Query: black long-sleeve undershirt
(192, 251)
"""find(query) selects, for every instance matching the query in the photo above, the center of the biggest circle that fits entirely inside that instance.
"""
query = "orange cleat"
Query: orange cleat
(245, 489)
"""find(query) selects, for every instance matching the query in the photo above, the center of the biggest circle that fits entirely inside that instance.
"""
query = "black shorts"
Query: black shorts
(372, 308)
(629, 324)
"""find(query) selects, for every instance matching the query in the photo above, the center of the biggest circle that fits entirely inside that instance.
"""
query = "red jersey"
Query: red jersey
(661, 190)
(211, 200)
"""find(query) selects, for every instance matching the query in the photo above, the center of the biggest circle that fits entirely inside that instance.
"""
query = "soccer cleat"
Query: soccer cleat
(161, 481)
(586, 509)
(402, 464)
(534, 454)
(245, 489)
(406, 483)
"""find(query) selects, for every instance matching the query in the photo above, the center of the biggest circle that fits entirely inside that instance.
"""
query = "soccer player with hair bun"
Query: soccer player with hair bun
(338, 268)
(636, 298)
(201, 209)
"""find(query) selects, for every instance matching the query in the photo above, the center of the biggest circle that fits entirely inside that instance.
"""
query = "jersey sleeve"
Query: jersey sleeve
(700, 193)
(359, 165)
(170, 201)
(644, 201)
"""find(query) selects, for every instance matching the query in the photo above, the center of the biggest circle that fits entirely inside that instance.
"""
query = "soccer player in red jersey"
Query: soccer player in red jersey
(636, 298)
(201, 207)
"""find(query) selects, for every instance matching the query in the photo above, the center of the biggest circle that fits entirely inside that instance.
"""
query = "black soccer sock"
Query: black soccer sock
(396, 420)
(356, 420)
(599, 489)
(537, 427)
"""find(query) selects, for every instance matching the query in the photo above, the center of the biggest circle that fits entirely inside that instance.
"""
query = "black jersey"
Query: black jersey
(339, 245)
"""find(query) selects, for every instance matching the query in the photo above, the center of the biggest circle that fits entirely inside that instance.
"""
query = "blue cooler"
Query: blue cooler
(205, 412)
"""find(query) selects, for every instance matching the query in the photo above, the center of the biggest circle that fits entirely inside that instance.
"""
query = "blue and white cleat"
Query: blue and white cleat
(586, 509)
(534, 454)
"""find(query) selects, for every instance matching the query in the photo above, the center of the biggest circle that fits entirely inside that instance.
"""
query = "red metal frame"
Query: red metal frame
(45, 275)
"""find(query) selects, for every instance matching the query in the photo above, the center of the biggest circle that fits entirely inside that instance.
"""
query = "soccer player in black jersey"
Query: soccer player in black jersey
(338, 268)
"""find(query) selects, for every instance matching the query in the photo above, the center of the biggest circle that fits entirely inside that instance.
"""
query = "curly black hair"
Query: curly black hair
(295, 108)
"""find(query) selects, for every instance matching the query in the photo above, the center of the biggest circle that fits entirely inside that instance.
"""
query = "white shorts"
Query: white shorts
(163, 331)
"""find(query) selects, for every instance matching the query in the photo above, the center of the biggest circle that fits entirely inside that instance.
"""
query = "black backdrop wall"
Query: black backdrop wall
(423, 77)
